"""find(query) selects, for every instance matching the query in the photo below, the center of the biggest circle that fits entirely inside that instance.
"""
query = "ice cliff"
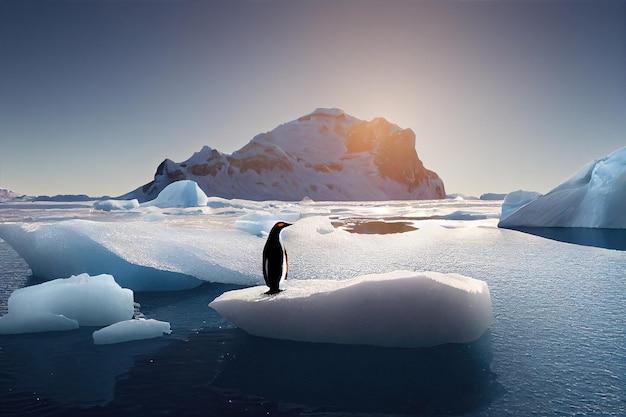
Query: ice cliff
(594, 197)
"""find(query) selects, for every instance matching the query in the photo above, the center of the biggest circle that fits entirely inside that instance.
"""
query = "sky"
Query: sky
(501, 94)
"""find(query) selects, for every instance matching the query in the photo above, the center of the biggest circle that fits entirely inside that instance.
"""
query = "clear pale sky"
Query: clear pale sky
(502, 94)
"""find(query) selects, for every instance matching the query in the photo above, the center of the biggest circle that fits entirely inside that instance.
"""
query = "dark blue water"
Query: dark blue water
(229, 373)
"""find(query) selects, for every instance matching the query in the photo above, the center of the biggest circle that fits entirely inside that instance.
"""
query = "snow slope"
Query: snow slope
(325, 155)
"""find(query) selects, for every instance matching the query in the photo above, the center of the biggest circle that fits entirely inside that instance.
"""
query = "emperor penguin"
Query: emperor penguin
(275, 266)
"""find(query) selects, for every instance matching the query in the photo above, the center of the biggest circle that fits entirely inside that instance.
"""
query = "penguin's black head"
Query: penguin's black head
(281, 225)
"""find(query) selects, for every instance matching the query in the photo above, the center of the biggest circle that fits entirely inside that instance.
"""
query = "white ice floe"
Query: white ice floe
(594, 197)
(395, 309)
(128, 330)
(67, 303)
(141, 256)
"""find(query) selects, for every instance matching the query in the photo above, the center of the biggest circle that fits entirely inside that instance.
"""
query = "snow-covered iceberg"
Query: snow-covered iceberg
(395, 309)
(595, 197)
(324, 155)
(66, 304)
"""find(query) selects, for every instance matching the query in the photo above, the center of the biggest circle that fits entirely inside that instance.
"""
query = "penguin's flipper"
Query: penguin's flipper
(265, 272)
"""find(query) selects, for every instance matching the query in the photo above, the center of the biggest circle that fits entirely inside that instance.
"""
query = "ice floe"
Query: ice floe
(394, 309)
(67, 303)
(129, 330)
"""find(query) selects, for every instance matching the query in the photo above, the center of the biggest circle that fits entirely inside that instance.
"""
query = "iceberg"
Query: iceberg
(324, 155)
(594, 197)
(129, 330)
(66, 304)
(184, 193)
(393, 309)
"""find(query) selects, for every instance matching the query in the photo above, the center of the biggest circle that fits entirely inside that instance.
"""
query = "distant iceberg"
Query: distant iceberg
(183, 193)
(108, 205)
(595, 197)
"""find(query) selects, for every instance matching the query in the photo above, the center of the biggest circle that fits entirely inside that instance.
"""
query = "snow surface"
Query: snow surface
(129, 330)
(67, 303)
(594, 197)
(395, 309)
(147, 250)
(184, 193)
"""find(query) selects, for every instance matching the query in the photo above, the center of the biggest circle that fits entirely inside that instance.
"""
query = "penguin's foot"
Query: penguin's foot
(273, 291)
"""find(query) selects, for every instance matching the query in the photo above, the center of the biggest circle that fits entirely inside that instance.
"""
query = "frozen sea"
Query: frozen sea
(557, 346)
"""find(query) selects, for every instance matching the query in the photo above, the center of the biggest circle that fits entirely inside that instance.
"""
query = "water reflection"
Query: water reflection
(448, 379)
(64, 368)
(601, 238)
(369, 226)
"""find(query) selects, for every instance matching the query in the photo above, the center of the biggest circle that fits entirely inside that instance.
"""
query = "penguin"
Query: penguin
(275, 266)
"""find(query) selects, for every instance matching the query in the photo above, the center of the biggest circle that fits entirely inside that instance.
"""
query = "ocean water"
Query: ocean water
(557, 346)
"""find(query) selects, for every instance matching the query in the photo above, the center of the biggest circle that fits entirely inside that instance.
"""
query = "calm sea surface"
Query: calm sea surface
(557, 346)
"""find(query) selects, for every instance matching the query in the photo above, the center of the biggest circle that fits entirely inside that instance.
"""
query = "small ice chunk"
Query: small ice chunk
(67, 303)
(108, 205)
(35, 323)
(136, 329)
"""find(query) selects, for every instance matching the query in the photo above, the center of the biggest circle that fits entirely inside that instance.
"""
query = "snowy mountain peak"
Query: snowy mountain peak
(322, 112)
(324, 155)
